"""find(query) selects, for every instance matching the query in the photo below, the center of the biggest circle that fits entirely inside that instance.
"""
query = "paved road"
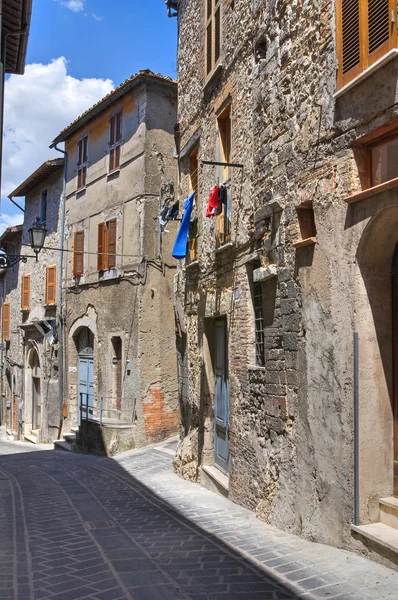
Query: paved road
(75, 527)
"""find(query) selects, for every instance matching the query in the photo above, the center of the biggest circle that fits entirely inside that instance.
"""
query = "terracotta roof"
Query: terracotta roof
(10, 233)
(41, 174)
(16, 15)
(133, 81)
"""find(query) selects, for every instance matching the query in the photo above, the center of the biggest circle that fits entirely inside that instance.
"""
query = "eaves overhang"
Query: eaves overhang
(39, 176)
(15, 26)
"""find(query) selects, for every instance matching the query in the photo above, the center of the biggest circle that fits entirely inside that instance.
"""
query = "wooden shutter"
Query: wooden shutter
(366, 31)
(119, 127)
(50, 285)
(111, 243)
(6, 321)
(101, 247)
(25, 300)
(78, 255)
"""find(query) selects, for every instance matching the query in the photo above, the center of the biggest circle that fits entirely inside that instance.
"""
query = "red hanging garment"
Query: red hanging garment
(213, 204)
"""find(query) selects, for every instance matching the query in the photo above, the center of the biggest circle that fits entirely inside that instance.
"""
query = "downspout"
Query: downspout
(356, 431)
(59, 294)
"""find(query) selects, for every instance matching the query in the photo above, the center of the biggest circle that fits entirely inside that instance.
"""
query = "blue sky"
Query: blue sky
(115, 39)
(78, 51)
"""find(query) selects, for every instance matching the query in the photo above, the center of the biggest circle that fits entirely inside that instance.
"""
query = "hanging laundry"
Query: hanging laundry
(213, 204)
(168, 212)
(223, 194)
(180, 245)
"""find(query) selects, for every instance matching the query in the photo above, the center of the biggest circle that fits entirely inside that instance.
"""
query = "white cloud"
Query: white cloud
(38, 105)
(9, 220)
(96, 17)
(74, 5)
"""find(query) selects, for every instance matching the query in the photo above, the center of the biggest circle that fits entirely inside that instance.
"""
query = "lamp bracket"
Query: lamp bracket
(9, 260)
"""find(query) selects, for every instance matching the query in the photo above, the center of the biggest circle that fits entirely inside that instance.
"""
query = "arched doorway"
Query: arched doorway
(34, 365)
(85, 348)
(394, 272)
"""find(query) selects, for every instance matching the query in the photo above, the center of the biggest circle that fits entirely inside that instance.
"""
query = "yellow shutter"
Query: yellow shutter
(25, 300)
(50, 285)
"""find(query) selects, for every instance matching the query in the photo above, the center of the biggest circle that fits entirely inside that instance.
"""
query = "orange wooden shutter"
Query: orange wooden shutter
(101, 247)
(6, 321)
(25, 300)
(78, 255)
(50, 285)
(119, 127)
(111, 243)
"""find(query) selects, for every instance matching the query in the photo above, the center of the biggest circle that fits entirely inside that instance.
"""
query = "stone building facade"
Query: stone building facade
(29, 312)
(302, 264)
(118, 286)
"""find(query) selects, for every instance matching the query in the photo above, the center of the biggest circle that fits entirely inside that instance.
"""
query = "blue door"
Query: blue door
(86, 384)
(221, 397)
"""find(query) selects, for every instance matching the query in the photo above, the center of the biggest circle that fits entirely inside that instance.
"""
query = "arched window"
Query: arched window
(85, 342)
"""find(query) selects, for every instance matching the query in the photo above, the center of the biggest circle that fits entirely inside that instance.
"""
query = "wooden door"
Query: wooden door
(36, 401)
(86, 385)
(221, 397)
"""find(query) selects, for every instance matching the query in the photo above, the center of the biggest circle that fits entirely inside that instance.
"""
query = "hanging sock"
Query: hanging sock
(180, 245)
(213, 204)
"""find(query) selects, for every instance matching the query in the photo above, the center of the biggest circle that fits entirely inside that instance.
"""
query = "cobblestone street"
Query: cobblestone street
(75, 526)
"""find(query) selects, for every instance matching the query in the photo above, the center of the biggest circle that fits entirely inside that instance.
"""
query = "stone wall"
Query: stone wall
(291, 421)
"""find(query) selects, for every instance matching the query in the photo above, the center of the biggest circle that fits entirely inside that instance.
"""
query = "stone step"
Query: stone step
(70, 437)
(380, 533)
(31, 438)
(63, 445)
(389, 511)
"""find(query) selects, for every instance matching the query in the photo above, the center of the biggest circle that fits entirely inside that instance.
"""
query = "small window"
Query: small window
(82, 161)
(213, 34)
(6, 321)
(306, 219)
(25, 296)
(50, 284)
(223, 154)
(43, 207)
(365, 31)
(258, 306)
(383, 161)
(115, 141)
(78, 254)
(107, 245)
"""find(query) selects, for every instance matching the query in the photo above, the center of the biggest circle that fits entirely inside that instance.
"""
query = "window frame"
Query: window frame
(25, 305)
(224, 174)
(366, 58)
(211, 42)
(115, 144)
(82, 162)
(380, 141)
(192, 254)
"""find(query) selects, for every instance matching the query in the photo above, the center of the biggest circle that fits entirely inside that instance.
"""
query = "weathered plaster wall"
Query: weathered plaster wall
(291, 422)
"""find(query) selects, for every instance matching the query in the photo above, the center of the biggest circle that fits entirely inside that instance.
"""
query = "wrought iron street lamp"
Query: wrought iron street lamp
(37, 234)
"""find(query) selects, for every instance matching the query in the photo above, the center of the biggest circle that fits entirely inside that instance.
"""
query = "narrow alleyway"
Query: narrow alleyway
(75, 527)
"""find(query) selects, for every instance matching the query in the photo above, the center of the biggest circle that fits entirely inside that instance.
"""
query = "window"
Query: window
(107, 245)
(115, 141)
(51, 274)
(25, 299)
(78, 254)
(365, 32)
(82, 162)
(6, 321)
(223, 153)
(213, 34)
(306, 219)
(383, 157)
(258, 306)
(43, 206)
(193, 227)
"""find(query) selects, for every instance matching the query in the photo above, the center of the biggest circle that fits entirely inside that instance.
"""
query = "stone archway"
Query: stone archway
(374, 323)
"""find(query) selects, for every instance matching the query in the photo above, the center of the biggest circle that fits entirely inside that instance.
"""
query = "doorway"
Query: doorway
(85, 348)
(117, 371)
(395, 366)
(36, 389)
(221, 397)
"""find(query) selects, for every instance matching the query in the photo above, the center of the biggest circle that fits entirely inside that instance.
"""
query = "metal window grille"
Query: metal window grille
(259, 323)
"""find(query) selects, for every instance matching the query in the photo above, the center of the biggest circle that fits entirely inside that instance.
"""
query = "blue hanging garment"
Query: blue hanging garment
(180, 245)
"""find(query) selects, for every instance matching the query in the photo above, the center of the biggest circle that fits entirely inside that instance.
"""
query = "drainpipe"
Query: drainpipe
(59, 294)
(356, 431)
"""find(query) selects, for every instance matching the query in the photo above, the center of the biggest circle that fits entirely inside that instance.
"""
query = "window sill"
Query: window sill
(372, 191)
(113, 174)
(256, 368)
(50, 305)
(25, 311)
(192, 265)
(216, 71)
(224, 247)
(365, 74)
(307, 242)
